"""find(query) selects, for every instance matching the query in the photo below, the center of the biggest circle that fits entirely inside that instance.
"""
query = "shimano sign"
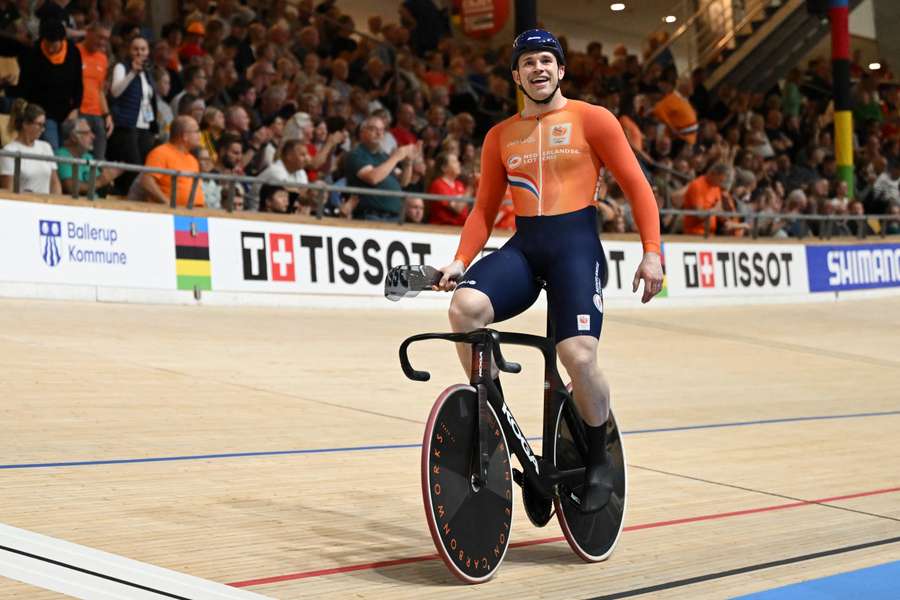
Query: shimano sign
(858, 267)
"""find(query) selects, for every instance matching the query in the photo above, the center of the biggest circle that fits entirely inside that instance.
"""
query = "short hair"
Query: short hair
(179, 127)
(288, 146)
(242, 87)
(69, 126)
(227, 140)
(98, 24)
(185, 102)
(191, 72)
(720, 168)
(172, 27)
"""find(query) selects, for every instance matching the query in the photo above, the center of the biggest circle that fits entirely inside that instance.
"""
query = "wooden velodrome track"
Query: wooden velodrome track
(754, 434)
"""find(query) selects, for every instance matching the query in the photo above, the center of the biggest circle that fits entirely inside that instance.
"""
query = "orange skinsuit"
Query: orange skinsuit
(573, 142)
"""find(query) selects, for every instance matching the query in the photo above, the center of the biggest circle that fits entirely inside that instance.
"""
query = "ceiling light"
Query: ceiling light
(616, 7)
(670, 19)
(874, 66)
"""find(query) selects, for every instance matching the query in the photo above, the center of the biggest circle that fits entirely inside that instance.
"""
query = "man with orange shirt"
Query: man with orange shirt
(705, 193)
(447, 212)
(675, 110)
(94, 65)
(175, 154)
(550, 155)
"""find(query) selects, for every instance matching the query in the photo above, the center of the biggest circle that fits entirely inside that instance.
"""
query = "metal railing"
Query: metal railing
(321, 190)
(830, 224)
(707, 27)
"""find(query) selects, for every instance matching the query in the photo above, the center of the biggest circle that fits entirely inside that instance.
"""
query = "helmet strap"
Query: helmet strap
(545, 100)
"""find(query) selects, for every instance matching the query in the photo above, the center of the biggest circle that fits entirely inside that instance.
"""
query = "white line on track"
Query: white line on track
(84, 572)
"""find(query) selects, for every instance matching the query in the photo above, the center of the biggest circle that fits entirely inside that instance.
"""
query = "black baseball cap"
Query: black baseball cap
(52, 30)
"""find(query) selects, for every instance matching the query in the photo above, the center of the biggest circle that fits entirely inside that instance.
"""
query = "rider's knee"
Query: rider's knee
(579, 356)
(467, 309)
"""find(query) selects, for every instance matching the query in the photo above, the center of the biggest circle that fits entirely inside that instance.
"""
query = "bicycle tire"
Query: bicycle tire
(470, 525)
(593, 537)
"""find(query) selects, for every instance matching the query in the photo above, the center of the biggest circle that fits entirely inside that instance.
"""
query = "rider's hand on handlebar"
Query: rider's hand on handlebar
(452, 273)
(651, 273)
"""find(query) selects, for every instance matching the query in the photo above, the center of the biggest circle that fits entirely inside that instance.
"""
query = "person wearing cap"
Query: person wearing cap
(550, 156)
(52, 78)
(193, 42)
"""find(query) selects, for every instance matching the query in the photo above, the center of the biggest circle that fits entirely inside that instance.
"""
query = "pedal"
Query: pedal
(518, 477)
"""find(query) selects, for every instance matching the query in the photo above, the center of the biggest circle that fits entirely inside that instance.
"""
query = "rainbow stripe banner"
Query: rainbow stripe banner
(192, 265)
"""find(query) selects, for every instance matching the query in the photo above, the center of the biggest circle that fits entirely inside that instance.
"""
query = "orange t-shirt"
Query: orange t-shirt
(677, 113)
(700, 195)
(632, 132)
(551, 163)
(167, 156)
(93, 76)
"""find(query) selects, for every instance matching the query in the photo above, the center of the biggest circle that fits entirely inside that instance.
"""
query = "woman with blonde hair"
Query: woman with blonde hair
(212, 126)
(27, 122)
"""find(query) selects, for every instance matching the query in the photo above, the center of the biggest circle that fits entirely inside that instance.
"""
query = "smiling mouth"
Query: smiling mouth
(540, 80)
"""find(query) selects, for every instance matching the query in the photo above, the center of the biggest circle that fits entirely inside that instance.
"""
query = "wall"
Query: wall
(86, 253)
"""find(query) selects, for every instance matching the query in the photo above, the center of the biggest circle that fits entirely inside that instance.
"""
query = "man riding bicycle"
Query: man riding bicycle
(550, 156)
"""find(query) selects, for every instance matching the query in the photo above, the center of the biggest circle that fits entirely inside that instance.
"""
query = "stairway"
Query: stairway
(747, 44)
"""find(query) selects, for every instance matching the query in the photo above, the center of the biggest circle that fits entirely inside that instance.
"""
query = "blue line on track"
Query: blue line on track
(873, 583)
(125, 461)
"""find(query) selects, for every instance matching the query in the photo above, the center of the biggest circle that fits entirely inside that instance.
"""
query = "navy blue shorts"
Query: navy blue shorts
(562, 250)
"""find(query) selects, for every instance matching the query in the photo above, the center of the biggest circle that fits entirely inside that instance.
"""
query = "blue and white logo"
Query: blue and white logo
(836, 268)
(51, 232)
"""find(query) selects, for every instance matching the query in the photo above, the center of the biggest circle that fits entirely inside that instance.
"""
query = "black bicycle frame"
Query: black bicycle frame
(485, 352)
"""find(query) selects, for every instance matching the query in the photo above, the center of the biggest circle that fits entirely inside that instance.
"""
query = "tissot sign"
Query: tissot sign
(728, 269)
(282, 257)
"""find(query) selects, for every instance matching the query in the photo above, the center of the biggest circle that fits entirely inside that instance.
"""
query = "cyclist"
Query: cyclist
(550, 156)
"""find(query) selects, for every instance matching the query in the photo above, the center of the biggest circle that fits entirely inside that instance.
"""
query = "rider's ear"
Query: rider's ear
(562, 72)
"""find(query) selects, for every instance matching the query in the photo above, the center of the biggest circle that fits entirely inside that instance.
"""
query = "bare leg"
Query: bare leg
(469, 309)
(579, 356)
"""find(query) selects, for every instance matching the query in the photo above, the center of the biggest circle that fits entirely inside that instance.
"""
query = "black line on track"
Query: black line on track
(94, 573)
(746, 569)
(734, 337)
(765, 493)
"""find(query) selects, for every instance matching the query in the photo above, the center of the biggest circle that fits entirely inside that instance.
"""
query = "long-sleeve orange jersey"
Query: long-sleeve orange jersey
(551, 163)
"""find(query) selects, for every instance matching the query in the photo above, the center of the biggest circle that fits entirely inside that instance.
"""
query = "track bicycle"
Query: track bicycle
(470, 437)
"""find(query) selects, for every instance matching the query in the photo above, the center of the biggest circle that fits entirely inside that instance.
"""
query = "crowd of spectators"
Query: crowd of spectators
(299, 93)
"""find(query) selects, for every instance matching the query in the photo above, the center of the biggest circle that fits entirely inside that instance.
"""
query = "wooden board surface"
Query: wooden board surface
(320, 395)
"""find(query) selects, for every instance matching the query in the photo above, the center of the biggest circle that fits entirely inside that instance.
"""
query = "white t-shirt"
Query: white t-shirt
(277, 173)
(887, 188)
(34, 175)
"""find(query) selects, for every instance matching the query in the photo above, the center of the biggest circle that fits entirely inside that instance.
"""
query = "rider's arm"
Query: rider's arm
(604, 133)
(480, 223)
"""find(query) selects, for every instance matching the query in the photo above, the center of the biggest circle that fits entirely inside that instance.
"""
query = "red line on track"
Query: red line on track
(424, 557)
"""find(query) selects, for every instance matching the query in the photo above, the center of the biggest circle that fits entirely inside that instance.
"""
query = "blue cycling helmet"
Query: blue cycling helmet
(536, 40)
